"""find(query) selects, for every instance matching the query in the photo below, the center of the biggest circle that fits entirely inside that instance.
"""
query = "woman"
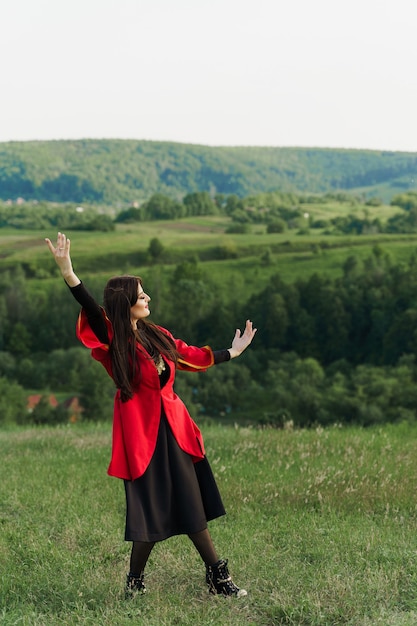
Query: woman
(157, 449)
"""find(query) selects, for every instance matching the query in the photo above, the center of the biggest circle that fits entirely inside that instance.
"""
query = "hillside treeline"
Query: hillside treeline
(326, 350)
(110, 172)
(279, 211)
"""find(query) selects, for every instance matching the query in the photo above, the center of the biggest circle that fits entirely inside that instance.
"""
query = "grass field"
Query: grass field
(293, 256)
(195, 233)
(321, 531)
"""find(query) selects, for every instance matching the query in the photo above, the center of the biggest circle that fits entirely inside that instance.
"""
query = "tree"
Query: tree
(101, 222)
(7, 365)
(160, 207)
(156, 248)
(238, 229)
(188, 270)
(406, 201)
(19, 340)
(277, 226)
(12, 402)
(199, 203)
(267, 258)
(401, 336)
(96, 393)
(350, 265)
(132, 214)
(275, 320)
(188, 300)
(233, 203)
(215, 392)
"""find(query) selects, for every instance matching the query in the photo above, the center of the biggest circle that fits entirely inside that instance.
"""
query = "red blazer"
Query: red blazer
(136, 422)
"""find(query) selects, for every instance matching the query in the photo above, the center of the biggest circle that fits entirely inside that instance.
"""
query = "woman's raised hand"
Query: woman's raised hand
(61, 254)
(242, 340)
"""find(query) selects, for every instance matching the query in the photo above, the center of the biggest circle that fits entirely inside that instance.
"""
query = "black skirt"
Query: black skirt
(174, 496)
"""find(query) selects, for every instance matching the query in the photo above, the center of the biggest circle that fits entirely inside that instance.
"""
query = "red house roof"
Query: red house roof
(32, 401)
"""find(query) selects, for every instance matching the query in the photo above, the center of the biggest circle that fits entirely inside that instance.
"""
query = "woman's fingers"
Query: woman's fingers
(50, 245)
(249, 329)
(61, 242)
(62, 247)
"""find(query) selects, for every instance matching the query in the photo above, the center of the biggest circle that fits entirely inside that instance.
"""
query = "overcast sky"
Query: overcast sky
(325, 73)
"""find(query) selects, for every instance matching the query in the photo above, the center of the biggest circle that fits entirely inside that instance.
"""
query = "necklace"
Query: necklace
(155, 356)
(159, 364)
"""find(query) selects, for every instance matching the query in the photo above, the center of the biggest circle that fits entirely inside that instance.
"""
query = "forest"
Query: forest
(125, 172)
(330, 281)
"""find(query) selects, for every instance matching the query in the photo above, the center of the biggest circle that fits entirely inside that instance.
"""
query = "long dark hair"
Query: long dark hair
(120, 294)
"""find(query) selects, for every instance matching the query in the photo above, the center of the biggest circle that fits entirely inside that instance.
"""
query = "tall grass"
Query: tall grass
(321, 530)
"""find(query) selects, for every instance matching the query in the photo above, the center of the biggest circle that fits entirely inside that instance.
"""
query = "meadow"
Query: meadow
(321, 531)
(240, 265)
(321, 524)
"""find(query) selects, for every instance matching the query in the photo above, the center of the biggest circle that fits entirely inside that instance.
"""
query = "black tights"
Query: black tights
(142, 549)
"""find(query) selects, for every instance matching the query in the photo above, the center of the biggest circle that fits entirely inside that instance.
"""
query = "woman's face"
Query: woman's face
(140, 309)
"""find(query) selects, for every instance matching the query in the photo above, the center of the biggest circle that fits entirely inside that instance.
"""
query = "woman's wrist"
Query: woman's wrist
(71, 278)
(233, 353)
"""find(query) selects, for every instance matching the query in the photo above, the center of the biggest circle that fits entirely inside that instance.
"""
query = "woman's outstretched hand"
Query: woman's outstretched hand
(242, 340)
(61, 254)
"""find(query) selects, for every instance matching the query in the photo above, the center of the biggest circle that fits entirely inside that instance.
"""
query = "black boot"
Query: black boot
(219, 581)
(134, 586)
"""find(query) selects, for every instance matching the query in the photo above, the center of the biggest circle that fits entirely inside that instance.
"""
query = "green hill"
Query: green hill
(126, 171)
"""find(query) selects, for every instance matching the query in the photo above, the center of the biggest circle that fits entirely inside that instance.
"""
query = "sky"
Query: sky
(310, 73)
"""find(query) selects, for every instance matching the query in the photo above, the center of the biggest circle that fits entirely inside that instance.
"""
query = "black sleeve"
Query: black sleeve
(93, 311)
(220, 356)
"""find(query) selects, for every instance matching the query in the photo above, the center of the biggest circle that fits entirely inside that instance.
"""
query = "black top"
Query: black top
(98, 325)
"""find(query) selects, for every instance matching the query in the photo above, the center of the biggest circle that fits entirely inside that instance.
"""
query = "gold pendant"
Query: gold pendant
(160, 365)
